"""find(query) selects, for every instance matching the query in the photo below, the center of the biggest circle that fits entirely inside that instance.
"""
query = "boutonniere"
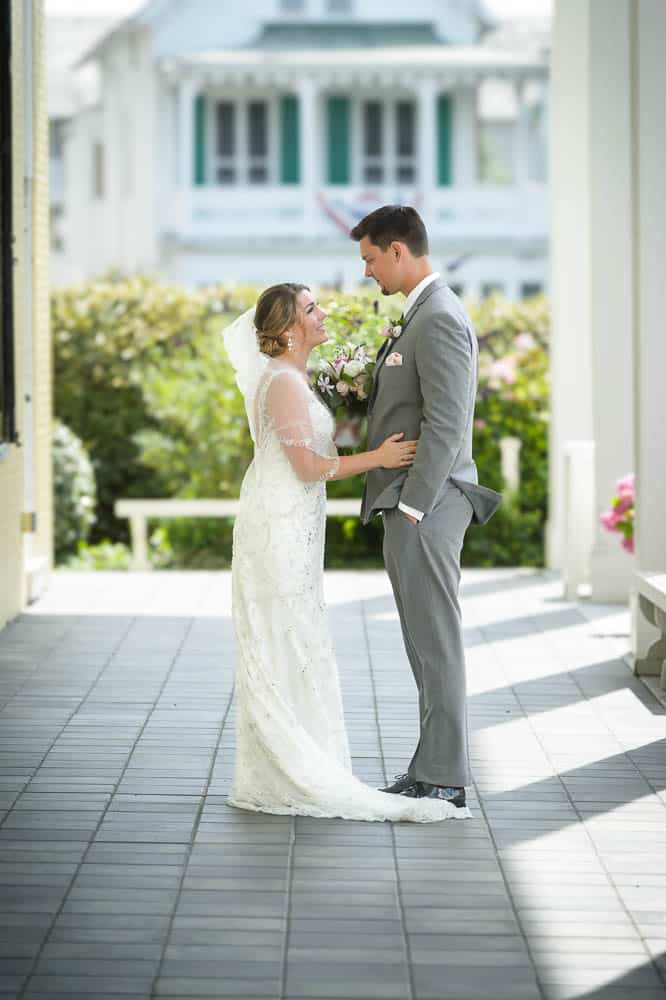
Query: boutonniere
(392, 330)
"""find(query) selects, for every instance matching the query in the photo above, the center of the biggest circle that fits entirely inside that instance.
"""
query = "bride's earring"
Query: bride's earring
(290, 343)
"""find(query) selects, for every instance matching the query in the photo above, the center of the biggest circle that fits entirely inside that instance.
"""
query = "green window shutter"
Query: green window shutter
(443, 140)
(338, 140)
(199, 139)
(290, 150)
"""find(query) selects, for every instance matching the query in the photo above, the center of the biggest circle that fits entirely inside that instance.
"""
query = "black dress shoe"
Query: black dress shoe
(402, 781)
(422, 790)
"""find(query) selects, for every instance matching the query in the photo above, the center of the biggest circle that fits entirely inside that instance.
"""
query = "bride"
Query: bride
(292, 754)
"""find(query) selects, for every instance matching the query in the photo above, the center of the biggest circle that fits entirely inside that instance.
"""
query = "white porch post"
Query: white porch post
(186, 145)
(592, 268)
(649, 146)
(427, 131)
(611, 281)
(464, 137)
(521, 145)
(570, 356)
(309, 153)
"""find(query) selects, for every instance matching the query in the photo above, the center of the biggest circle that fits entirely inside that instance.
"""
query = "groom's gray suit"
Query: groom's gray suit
(429, 394)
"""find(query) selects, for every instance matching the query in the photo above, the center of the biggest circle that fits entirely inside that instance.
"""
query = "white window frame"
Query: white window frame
(390, 159)
(241, 160)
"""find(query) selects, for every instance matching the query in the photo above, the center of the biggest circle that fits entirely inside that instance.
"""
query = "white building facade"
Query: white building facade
(244, 145)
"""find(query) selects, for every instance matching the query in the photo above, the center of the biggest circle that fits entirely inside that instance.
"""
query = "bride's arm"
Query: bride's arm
(315, 457)
(392, 454)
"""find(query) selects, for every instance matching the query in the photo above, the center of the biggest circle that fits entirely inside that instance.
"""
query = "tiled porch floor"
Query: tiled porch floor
(123, 874)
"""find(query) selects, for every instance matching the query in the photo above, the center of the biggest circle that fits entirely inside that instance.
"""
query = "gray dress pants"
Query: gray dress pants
(423, 564)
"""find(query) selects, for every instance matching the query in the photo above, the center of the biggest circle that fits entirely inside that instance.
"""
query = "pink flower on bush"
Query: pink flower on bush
(609, 519)
(620, 517)
(524, 342)
(480, 424)
(626, 486)
(503, 370)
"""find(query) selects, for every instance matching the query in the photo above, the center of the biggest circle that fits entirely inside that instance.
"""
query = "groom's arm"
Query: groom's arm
(444, 364)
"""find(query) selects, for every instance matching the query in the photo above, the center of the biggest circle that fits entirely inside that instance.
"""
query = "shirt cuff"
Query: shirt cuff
(418, 514)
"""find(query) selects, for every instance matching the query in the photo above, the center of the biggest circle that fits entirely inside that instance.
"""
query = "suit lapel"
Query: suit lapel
(389, 343)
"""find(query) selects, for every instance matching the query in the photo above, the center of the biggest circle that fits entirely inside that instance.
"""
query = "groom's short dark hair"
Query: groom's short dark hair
(393, 223)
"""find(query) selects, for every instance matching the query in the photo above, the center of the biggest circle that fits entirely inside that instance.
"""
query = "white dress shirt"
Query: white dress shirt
(409, 302)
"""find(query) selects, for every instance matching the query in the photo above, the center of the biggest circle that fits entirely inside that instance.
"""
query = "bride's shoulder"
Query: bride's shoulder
(286, 373)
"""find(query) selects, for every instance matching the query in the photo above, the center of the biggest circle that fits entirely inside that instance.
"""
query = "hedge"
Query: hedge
(143, 379)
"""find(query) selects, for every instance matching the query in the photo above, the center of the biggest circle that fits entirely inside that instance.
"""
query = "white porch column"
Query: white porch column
(649, 146)
(464, 137)
(309, 138)
(592, 268)
(570, 355)
(185, 147)
(521, 139)
(427, 133)
(611, 281)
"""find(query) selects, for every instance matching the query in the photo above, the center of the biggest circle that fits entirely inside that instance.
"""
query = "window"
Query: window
(56, 138)
(388, 142)
(405, 133)
(226, 143)
(339, 6)
(7, 387)
(242, 142)
(489, 288)
(56, 214)
(98, 170)
(495, 152)
(292, 6)
(529, 289)
(257, 142)
(373, 142)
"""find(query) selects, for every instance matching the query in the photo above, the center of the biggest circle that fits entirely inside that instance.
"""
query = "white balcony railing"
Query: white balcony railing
(478, 212)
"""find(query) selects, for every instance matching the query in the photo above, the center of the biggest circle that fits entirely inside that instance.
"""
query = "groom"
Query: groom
(425, 385)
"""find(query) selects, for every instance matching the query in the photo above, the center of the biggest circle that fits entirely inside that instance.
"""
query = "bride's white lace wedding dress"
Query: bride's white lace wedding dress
(292, 753)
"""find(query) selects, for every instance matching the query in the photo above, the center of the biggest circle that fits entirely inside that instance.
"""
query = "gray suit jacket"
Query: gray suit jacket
(430, 396)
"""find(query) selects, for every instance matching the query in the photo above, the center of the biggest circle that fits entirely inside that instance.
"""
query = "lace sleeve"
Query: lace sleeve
(312, 455)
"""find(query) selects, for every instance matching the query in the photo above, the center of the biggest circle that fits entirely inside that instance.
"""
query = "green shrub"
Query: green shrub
(74, 492)
(142, 376)
(108, 336)
(105, 555)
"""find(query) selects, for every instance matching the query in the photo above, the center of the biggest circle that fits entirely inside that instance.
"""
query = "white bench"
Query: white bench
(651, 592)
(138, 512)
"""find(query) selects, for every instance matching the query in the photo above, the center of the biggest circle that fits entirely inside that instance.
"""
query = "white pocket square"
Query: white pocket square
(393, 359)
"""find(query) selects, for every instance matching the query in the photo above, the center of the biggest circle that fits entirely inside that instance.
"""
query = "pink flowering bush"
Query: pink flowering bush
(620, 517)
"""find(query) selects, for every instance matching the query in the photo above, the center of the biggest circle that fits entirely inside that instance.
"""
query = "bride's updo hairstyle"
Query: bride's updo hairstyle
(276, 311)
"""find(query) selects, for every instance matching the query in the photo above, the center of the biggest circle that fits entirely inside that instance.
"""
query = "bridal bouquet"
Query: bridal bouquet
(346, 380)
(620, 517)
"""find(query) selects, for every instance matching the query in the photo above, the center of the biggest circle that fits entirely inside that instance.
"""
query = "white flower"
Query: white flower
(361, 393)
(343, 388)
(396, 330)
(353, 369)
(325, 385)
